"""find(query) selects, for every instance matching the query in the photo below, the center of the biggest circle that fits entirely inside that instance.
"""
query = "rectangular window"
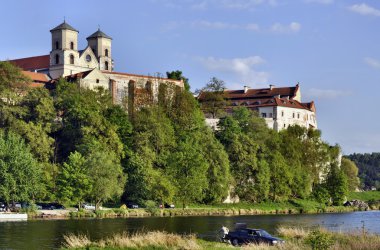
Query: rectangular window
(97, 80)
(264, 115)
(294, 115)
(270, 115)
(298, 115)
(282, 113)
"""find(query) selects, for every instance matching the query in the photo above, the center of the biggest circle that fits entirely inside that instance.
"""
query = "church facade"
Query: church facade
(91, 67)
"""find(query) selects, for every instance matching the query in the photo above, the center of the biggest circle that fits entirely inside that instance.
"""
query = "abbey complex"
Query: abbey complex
(93, 67)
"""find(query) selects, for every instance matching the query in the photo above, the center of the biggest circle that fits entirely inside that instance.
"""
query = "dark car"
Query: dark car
(248, 236)
(132, 205)
(50, 206)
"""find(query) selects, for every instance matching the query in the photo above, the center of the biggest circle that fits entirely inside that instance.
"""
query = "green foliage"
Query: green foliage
(73, 181)
(20, 173)
(321, 194)
(11, 79)
(177, 75)
(337, 185)
(351, 171)
(369, 169)
(364, 196)
(319, 240)
(188, 170)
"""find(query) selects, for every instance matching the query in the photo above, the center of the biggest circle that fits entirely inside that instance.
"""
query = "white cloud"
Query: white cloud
(223, 25)
(293, 27)
(242, 69)
(320, 1)
(372, 62)
(326, 93)
(213, 25)
(364, 9)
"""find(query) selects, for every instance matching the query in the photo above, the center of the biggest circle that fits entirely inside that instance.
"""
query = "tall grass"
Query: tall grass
(155, 239)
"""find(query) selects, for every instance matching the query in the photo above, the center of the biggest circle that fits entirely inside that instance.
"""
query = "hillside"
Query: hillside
(369, 169)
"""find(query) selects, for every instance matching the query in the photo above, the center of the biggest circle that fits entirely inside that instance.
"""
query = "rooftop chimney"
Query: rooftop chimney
(271, 86)
(245, 89)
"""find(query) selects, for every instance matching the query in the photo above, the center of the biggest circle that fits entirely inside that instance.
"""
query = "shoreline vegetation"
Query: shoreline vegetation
(296, 238)
(295, 206)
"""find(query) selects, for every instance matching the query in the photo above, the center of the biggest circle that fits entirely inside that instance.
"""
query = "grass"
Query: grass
(296, 239)
(364, 196)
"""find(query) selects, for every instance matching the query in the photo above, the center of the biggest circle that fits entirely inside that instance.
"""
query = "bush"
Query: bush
(319, 240)
(151, 207)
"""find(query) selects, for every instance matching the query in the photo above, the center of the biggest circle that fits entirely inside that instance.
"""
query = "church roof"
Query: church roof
(99, 33)
(32, 63)
(64, 26)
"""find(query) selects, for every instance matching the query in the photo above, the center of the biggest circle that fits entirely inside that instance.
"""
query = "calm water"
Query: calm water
(48, 234)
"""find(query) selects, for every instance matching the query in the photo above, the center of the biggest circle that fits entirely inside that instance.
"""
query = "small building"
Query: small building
(280, 107)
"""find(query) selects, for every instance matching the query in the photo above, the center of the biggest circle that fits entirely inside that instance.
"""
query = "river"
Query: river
(48, 234)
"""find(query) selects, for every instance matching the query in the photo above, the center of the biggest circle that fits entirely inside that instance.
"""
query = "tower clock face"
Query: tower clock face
(88, 58)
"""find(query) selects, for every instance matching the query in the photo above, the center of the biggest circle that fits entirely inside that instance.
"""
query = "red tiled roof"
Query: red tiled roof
(78, 75)
(269, 102)
(258, 93)
(36, 77)
(32, 63)
(141, 76)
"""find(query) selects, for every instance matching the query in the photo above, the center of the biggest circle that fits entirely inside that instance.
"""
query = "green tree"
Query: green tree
(280, 178)
(336, 183)
(350, 169)
(106, 175)
(177, 75)
(212, 98)
(188, 170)
(74, 181)
(20, 173)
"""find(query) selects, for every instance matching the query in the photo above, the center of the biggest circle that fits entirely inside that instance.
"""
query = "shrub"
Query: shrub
(319, 240)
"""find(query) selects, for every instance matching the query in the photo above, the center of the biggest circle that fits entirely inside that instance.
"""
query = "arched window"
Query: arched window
(106, 52)
(57, 45)
(71, 59)
(71, 45)
(56, 59)
(106, 66)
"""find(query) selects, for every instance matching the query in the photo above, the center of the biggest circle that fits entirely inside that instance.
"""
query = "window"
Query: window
(270, 115)
(282, 113)
(294, 115)
(264, 115)
(71, 59)
(298, 115)
(56, 59)
(284, 125)
(71, 45)
(57, 45)
(97, 80)
(106, 52)
(88, 58)
(106, 65)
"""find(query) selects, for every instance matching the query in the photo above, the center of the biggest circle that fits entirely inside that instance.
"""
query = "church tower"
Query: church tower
(100, 44)
(64, 54)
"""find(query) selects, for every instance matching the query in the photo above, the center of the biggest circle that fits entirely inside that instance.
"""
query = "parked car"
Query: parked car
(132, 205)
(49, 206)
(2, 207)
(88, 206)
(243, 235)
(167, 205)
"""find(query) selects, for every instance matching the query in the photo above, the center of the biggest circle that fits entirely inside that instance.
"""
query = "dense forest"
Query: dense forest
(72, 145)
(369, 169)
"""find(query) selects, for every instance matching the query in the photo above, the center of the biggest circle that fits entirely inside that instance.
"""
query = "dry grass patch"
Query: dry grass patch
(293, 232)
(137, 240)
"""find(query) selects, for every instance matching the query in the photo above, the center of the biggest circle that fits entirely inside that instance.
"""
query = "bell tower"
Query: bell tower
(64, 52)
(101, 45)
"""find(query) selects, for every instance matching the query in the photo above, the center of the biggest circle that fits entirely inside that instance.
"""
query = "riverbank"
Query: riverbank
(296, 238)
(289, 207)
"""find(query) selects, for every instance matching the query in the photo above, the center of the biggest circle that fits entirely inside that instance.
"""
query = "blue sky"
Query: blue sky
(332, 47)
